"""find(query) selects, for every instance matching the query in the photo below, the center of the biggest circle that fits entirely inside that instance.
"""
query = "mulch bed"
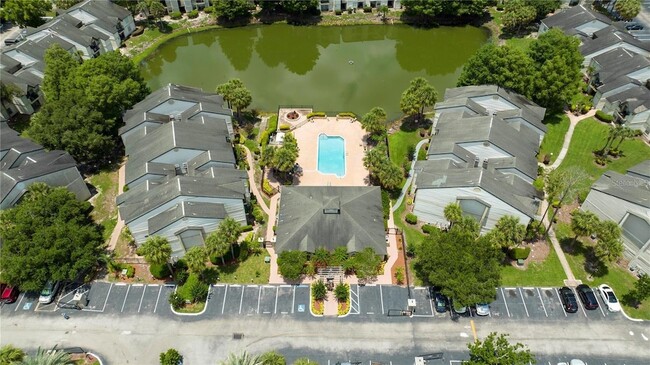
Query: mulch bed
(399, 262)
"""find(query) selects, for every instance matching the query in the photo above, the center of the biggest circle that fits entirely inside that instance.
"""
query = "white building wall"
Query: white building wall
(128, 24)
(430, 204)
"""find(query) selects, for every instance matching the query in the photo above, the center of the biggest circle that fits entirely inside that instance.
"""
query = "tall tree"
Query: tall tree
(509, 231)
(641, 290)
(59, 65)
(236, 95)
(583, 223)
(229, 229)
(383, 9)
(195, 259)
(381, 168)
(25, 13)
(216, 244)
(517, 13)
(375, 121)
(544, 7)
(419, 95)
(613, 133)
(625, 133)
(47, 238)
(422, 8)
(609, 247)
(65, 4)
(564, 185)
(366, 263)
(156, 251)
(233, 9)
(151, 8)
(390, 175)
(628, 9)
(284, 158)
(8, 92)
(301, 7)
(496, 350)
(453, 213)
(503, 66)
(467, 269)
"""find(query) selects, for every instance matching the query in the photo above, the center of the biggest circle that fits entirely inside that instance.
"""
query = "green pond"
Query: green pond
(333, 69)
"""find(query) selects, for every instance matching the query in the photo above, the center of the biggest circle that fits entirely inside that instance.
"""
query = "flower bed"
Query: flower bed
(317, 307)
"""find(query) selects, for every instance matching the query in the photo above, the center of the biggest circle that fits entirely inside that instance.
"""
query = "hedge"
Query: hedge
(247, 228)
(258, 215)
(346, 114)
(130, 271)
(193, 14)
(338, 12)
(285, 127)
(209, 9)
(265, 137)
(604, 117)
(159, 271)
(176, 15)
(367, 9)
(316, 114)
(518, 253)
(411, 218)
(429, 229)
(267, 188)
(273, 123)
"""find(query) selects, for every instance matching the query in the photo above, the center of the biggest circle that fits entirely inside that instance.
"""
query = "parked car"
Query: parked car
(458, 309)
(634, 26)
(49, 292)
(10, 41)
(9, 294)
(609, 298)
(441, 303)
(587, 297)
(568, 299)
(483, 309)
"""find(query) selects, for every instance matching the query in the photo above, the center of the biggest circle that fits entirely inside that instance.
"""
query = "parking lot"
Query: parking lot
(368, 302)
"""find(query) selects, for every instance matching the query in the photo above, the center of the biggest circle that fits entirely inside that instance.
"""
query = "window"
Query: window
(474, 208)
(191, 237)
(636, 230)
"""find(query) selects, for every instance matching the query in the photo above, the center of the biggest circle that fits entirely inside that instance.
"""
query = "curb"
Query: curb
(96, 357)
(310, 309)
(630, 318)
(207, 300)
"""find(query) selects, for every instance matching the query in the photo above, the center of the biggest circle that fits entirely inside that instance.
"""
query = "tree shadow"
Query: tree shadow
(211, 275)
(235, 23)
(411, 124)
(593, 265)
(553, 119)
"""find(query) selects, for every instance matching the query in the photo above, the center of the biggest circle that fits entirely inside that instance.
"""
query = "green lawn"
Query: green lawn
(613, 275)
(413, 235)
(251, 271)
(589, 136)
(104, 209)
(520, 43)
(558, 125)
(399, 143)
(546, 273)
(496, 16)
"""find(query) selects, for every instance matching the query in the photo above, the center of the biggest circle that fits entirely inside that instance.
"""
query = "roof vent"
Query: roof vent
(331, 211)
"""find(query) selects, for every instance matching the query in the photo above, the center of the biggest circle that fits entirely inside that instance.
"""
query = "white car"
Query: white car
(49, 292)
(609, 298)
(483, 309)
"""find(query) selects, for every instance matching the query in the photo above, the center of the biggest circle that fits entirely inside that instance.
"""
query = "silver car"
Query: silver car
(49, 292)
(483, 309)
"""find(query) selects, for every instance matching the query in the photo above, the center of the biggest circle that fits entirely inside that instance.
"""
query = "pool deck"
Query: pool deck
(354, 136)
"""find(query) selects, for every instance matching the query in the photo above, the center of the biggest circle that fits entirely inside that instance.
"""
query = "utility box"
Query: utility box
(411, 305)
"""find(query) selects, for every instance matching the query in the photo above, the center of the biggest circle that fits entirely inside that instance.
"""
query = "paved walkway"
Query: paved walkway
(573, 122)
(252, 183)
(331, 305)
(407, 184)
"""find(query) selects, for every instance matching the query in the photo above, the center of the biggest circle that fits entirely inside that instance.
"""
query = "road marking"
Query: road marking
(126, 296)
(505, 301)
(600, 304)
(107, 295)
(259, 297)
(120, 284)
(370, 312)
(22, 295)
(561, 304)
(381, 297)
(286, 286)
(644, 337)
(137, 284)
(153, 285)
(541, 301)
(284, 312)
(223, 306)
(241, 298)
(522, 300)
(142, 297)
(471, 323)
(275, 308)
(157, 299)
(265, 312)
(293, 301)
(579, 302)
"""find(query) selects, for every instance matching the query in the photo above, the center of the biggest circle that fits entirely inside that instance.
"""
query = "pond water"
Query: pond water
(333, 69)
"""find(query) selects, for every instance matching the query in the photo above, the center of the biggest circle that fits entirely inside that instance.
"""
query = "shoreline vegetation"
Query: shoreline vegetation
(144, 45)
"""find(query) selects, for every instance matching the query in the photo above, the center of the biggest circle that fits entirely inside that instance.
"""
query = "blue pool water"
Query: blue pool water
(331, 155)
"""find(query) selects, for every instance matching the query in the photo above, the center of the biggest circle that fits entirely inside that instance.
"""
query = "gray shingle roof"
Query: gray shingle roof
(641, 170)
(625, 187)
(572, 17)
(311, 217)
(185, 209)
(610, 36)
(101, 9)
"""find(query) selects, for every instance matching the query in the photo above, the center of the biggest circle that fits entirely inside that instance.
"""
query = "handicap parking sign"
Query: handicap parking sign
(301, 308)
(27, 306)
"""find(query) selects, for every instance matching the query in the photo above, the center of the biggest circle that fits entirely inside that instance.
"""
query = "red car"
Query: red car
(9, 294)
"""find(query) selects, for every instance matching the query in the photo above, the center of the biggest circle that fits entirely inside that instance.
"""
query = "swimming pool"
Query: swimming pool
(331, 155)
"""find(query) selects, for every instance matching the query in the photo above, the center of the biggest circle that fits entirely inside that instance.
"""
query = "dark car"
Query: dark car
(441, 303)
(587, 297)
(568, 300)
(10, 41)
(9, 294)
(634, 26)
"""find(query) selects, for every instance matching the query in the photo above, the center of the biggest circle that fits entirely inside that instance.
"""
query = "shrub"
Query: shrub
(604, 117)
(539, 183)
(193, 290)
(125, 188)
(350, 10)
(209, 9)
(243, 251)
(338, 12)
(264, 138)
(316, 114)
(346, 115)
(429, 229)
(520, 253)
(175, 15)
(171, 357)
(399, 275)
(180, 276)
(130, 271)
(285, 127)
(267, 188)
(342, 292)
(367, 9)
(385, 203)
(411, 218)
(246, 228)
(177, 302)
(258, 215)
(318, 290)
(193, 14)
(291, 264)
(159, 271)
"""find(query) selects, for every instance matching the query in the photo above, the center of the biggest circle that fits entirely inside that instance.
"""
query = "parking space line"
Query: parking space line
(223, 306)
(120, 284)
(293, 301)
(541, 301)
(22, 295)
(597, 294)
(431, 305)
(275, 308)
(522, 300)
(579, 302)
(126, 296)
(157, 299)
(560, 299)
(505, 301)
(381, 298)
(107, 295)
(241, 299)
(259, 297)
(142, 297)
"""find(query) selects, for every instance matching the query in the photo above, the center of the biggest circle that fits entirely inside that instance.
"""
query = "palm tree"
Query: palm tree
(51, 357)
(583, 223)
(195, 259)
(609, 247)
(37, 191)
(272, 358)
(318, 290)
(242, 359)
(156, 251)
(612, 134)
(383, 10)
(217, 245)
(453, 213)
(153, 8)
(230, 229)
(11, 355)
(321, 257)
(624, 133)
(510, 230)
